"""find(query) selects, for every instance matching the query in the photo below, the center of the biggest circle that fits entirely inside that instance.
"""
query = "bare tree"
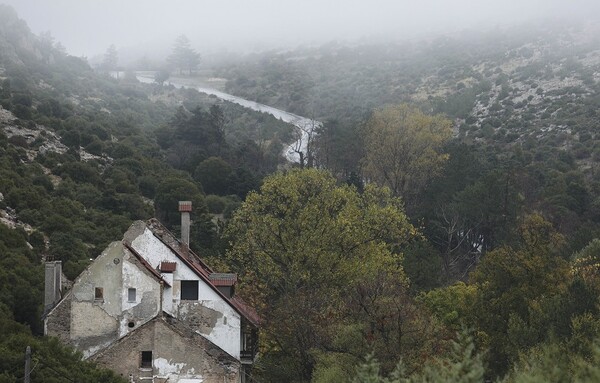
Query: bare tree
(459, 241)
(304, 135)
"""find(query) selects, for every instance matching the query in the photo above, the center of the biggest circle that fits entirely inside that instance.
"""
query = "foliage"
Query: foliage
(183, 56)
(555, 363)
(403, 148)
(327, 264)
(213, 174)
(586, 262)
(462, 364)
(451, 304)
(512, 281)
(161, 76)
(552, 362)
(111, 58)
(50, 360)
(323, 256)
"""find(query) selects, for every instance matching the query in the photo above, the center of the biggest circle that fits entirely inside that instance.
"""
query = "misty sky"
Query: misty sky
(88, 27)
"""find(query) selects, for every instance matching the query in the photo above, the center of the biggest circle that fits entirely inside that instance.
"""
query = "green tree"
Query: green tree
(52, 362)
(168, 194)
(310, 254)
(111, 59)
(183, 56)
(403, 148)
(553, 362)
(462, 364)
(213, 173)
(339, 148)
(451, 304)
(511, 281)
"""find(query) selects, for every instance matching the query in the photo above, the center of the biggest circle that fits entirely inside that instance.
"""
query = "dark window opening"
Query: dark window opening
(131, 295)
(146, 359)
(189, 290)
(228, 291)
(131, 324)
(98, 293)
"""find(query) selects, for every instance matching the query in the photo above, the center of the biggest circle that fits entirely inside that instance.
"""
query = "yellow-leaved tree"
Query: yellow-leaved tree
(403, 148)
(321, 263)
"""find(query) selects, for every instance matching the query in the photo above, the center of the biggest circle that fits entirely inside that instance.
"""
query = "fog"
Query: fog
(88, 27)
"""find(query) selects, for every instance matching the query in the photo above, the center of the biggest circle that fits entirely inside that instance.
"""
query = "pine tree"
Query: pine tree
(183, 56)
(111, 59)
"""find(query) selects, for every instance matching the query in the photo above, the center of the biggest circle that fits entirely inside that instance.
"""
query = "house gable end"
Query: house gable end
(144, 245)
(176, 353)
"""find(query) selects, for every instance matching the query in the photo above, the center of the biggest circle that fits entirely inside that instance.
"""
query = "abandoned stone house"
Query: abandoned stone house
(152, 311)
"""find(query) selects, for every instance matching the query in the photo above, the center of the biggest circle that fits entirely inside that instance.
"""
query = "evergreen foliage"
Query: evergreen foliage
(183, 56)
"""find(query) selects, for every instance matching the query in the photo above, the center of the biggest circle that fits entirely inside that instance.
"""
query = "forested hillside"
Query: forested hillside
(522, 101)
(448, 229)
(491, 141)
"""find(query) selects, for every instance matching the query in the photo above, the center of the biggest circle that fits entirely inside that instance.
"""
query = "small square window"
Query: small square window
(189, 290)
(98, 293)
(131, 294)
(146, 360)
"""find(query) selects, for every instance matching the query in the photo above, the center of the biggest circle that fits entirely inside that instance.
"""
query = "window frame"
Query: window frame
(129, 291)
(189, 290)
(144, 361)
(99, 294)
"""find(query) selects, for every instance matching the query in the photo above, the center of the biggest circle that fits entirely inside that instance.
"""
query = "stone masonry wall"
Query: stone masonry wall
(58, 322)
(177, 352)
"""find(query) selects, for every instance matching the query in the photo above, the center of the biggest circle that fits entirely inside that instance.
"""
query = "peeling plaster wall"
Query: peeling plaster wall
(214, 319)
(147, 300)
(91, 324)
(94, 323)
(178, 354)
(224, 329)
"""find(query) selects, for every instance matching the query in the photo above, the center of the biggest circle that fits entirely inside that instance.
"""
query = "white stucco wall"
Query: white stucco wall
(167, 300)
(146, 305)
(226, 331)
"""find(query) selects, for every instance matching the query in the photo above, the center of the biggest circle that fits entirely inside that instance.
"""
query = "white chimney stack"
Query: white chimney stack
(185, 207)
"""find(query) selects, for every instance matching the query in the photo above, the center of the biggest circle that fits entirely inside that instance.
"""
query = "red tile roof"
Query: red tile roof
(247, 311)
(223, 279)
(194, 262)
(169, 239)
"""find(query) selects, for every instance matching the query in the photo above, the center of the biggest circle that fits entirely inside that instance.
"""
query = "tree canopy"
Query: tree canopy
(111, 58)
(319, 254)
(183, 56)
(403, 148)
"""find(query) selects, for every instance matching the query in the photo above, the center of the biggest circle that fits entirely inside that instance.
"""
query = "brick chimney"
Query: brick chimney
(52, 284)
(185, 207)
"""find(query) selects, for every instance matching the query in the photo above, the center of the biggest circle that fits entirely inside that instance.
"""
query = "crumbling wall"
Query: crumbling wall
(91, 324)
(58, 321)
(147, 303)
(177, 353)
(94, 323)
(198, 317)
(224, 329)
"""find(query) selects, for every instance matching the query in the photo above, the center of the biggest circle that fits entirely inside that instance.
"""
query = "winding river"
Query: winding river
(304, 126)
